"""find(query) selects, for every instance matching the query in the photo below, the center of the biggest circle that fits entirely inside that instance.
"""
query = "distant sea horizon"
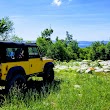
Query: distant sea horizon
(82, 44)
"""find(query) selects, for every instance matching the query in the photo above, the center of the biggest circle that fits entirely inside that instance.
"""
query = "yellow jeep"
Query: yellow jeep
(20, 60)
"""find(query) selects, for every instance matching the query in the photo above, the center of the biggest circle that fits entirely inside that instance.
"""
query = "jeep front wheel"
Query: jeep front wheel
(48, 75)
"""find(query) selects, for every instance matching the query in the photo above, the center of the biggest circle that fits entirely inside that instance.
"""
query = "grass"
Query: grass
(69, 91)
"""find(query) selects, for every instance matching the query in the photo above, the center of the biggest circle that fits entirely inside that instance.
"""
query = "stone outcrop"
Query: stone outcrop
(86, 66)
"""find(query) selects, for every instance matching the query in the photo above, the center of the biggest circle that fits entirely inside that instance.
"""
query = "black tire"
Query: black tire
(48, 75)
(17, 81)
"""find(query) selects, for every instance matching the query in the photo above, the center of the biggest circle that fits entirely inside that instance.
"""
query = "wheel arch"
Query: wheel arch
(47, 65)
(14, 71)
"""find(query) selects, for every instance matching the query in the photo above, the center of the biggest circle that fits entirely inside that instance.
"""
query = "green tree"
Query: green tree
(61, 49)
(15, 38)
(60, 52)
(97, 51)
(72, 46)
(6, 27)
(47, 33)
(57, 38)
(84, 53)
(28, 41)
(51, 51)
(102, 51)
(107, 50)
(69, 37)
(72, 50)
(94, 53)
(44, 44)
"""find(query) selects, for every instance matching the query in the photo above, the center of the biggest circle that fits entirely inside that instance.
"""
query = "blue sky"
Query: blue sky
(85, 19)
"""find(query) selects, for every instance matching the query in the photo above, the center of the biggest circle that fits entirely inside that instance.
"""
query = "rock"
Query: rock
(89, 70)
(99, 70)
(103, 63)
(80, 71)
(106, 70)
(61, 67)
(84, 62)
(74, 67)
(99, 60)
(106, 67)
(86, 66)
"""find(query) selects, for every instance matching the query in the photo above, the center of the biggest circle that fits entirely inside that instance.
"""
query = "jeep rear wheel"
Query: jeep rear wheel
(48, 75)
(17, 81)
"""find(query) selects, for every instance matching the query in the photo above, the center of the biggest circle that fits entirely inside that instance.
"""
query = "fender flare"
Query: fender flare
(13, 71)
(47, 65)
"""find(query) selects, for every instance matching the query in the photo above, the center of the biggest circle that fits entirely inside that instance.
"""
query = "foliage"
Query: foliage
(61, 49)
(15, 38)
(69, 37)
(28, 41)
(6, 27)
(83, 53)
(47, 33)
(43, 44)
(72, 50)
(97, 51)
(68, 49)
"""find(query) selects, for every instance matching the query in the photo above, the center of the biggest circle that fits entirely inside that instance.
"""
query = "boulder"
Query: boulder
(99, 70)
(106, 70)
(106, 67)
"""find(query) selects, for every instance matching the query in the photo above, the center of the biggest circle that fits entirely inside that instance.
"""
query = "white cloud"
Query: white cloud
(57, 2)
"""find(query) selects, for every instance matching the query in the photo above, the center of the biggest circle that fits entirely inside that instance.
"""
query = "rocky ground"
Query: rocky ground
(85, 66)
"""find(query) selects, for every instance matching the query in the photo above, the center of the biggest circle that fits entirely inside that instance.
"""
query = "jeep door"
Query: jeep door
(35, 62)
(14, 58)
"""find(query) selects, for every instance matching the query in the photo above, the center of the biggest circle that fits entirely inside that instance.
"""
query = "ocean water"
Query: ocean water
(83, 44)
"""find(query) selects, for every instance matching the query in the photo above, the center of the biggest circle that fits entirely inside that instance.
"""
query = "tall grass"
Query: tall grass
(69, 91)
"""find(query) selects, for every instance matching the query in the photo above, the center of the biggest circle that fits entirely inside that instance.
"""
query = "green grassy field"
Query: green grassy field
(69, 91)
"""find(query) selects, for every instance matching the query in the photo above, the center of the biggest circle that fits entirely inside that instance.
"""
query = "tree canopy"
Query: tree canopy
(6, 27)
(47, 33)
(15, 38)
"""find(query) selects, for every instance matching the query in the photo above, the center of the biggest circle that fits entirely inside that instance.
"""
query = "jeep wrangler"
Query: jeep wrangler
(20, 60)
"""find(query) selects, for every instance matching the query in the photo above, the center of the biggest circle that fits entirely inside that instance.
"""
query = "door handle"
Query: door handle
(7, 68)
(31, 65)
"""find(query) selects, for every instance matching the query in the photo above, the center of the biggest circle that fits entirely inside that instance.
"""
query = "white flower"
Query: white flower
(77, 86)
